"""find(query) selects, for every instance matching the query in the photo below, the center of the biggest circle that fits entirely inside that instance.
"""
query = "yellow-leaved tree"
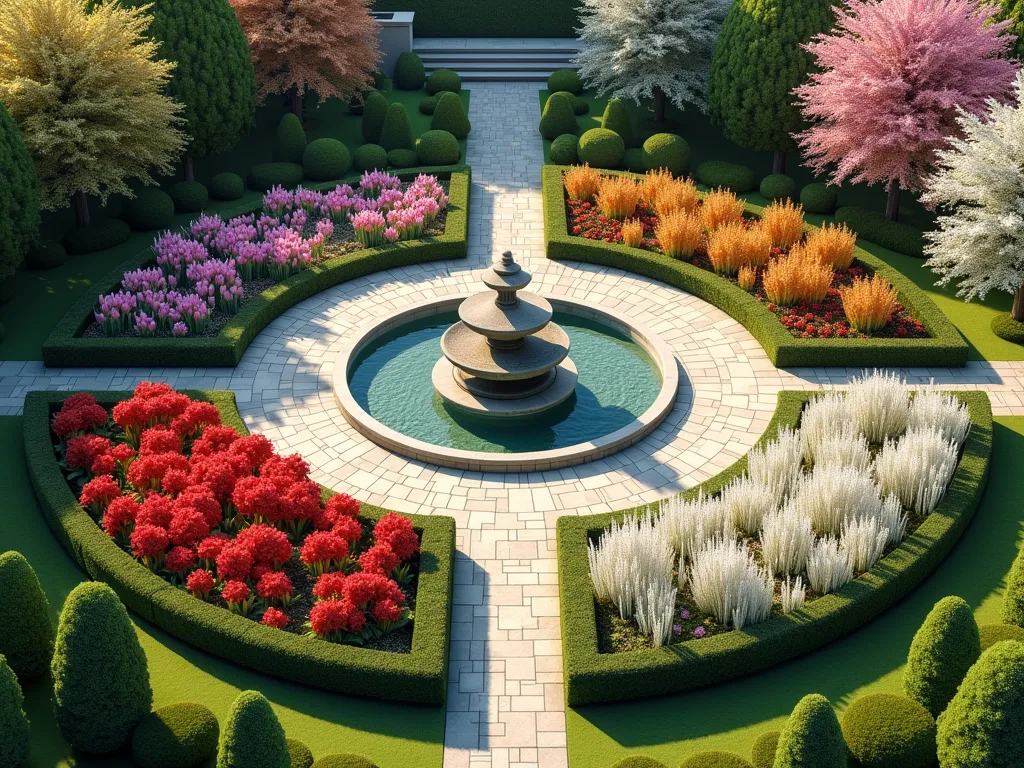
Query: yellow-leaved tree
(88, 93)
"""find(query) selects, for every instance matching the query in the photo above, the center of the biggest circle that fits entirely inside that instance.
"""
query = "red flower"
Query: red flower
(120, 515)
(187, 526)
(256, 449)
(212, 546)
(195, 418)
(180, 559)
(274, 586)
(301, 501)
(269, 545)
(214, 440)
(147, 472)
(257, 497)
(397, 532)
(273, 617)
(175, 481)
(259, 570)
(147, 390)
(379, 559)
(329, 617)
(235, 592)
(103, 465)
(99, 492)
(341, 505)
(149, 541)
(216, 475)
(156, 510)
(199, 583)
(365, 588)
(285, 470)
(79, 413)
(235, 561)
(201, 498)
(122, 453)
(387, 610)
(159, 440)
(330, 585)
(82, 451)
(323, 547)
(348, 528)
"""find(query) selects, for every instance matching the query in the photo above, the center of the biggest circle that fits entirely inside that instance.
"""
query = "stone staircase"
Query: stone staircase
(497, 58)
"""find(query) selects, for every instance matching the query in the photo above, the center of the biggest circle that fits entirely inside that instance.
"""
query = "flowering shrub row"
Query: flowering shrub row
(231, 521)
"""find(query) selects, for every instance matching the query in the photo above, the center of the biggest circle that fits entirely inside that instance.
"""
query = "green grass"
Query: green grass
(869, 660)
(392, 735)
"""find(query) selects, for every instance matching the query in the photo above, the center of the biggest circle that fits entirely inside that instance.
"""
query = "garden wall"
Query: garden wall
(488, 18)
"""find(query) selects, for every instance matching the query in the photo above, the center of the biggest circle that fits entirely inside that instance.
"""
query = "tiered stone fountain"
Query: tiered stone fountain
(505, 357)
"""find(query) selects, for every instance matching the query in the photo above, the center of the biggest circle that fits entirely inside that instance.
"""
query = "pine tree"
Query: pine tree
(659, 49)
(756, 65)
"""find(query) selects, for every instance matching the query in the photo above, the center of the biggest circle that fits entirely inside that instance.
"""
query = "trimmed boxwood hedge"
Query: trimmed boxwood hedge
(946, 347)
(592, 677)
(419, 676)
(66, 347)
(873, 226)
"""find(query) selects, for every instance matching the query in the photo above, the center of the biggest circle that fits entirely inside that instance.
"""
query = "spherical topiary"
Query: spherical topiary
(762, 754)
(397, 131)
(990, 634)
(437, 148)
(152, 208)
(370, 157)
(1005, 327)
(944, 648)
(19, 197)
(634, 160)
(252, 736)
(444, 80)
(26, 632)
(344, 761)
(616, 118)
(884, 730)
(719, 173)
(100, 676)
(715, 759)
(983, 726)
(189, 196)
(811, 736)
(97, 237)
(450, 116)
(14, 729)
(429, 104)
(299, 754)
(563, 149)
(402, 158)
(227, 186)
(290, 140)
(557, 117)
(176, 736)
(778, 186)
(601, 148)
(565, 80)
(666, 150)
(409, 72)
(326, 159)
(46, 255)
(819, 198)
(374, 112)
(266, 175)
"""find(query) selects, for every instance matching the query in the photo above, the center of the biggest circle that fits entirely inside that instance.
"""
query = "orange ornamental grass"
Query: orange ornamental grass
(667, 194)
(655, 183)
(797, 278)
(747, 278)
(832, 244)
(733, 245)
(785, 223)
(720, 207)
(617, 197)
(869, 303)
(582, 182)
(680, 234)
(632, 233)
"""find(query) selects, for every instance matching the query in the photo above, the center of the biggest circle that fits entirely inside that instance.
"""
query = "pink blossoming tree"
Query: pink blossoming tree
(892, 75)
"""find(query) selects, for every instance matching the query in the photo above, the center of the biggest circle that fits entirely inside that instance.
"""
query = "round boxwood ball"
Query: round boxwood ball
(778, 186)
(26, 633)
(299, 754)
(370, 157)
(762, 754)
(14, 728)
(344, 761)
(266, 175)
(429, 104)
(189, 196)
(884, 730)
(437, 148)
(991, 634)
(666, 150)
(97, 237)
(409, 72)
(46, 255)
(819, 198)
(227, 186)
(176, 736)
(326, 159)
(565, 80)
(602, 148)
(402, 158)
(563, 149)
(151, 209)
(634, 160)
(715, 759)
(444, 80)
(1005, 327)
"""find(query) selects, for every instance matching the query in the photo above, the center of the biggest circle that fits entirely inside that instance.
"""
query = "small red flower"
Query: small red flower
(330, 585)
(235, 592)
(274, 586)
(199, 583)
(235, 561)
(397, 532)
(180, 559)
(149, 541)
(276, 618)
(99, 492)
(120, 515)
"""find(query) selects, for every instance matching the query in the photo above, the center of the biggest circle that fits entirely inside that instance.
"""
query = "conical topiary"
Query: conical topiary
(252, 737)
(374, 111)
(944, 648)
(299, 754)
(14, 732)
(811, 736)
(290, 140)
(409, 71)
(1013, 600)
(558, 118)
(396, 132)
(100, 676)
(450, 116)
(616, 118)
(26, 632)
(762, 754)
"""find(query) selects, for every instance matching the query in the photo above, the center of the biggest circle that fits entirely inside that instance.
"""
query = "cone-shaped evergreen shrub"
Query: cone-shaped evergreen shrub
(666, 150)
(558, 117)
(884, 730)
(290, 140)
(252, 737)
(299, 754)
(428, 105)
(450, 116)
(374, 112)
(326, 159)
(26, 632)
(991, 634)
(1013, 600)
(944, 648)
(409, 72)
(715, 759)
(616, 118)
(396, 132)
(762, 754)
(100, 676)
(601, 148)
(19, 197)
(811, 737)
(176, 736)
(14, 732)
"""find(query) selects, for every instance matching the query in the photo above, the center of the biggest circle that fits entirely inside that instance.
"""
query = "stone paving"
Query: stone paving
(505, 703)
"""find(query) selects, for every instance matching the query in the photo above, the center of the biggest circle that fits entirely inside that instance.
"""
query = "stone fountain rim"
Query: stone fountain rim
(484, 461)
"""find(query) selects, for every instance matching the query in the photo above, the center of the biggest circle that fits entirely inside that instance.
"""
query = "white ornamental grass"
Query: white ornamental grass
(727, 583)
(821, 420)
(833, 494)
(627, 559)
(778, 464)
(844, 448)
(864, 539)
(786, 540)
(746, 503)
(916, 468)
(655, 611)
(945, 413)
(686, 525)
(879, 405)
(829, 565)
(893, 519)
(793, 595)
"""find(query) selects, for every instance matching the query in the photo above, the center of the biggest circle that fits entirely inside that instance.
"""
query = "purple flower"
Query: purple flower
(684, 614)
(677, 628)
(699, 632)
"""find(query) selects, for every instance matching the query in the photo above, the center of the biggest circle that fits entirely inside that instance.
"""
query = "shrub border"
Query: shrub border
(66, 348)
(592, 677)
(419, 676)
(946, 347)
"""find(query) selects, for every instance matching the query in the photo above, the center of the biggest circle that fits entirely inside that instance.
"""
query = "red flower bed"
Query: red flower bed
(227, 519)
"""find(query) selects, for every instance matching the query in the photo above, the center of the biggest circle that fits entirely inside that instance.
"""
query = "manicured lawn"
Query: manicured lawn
(392, 735)
(869, 660)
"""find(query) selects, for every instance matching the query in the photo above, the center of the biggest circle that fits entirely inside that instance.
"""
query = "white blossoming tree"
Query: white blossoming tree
(980, 182)
(659, 49)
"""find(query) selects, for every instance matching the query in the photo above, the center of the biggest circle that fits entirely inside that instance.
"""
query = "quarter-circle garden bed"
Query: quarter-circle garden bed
(68, 347)
(593, 676)
(418, 675)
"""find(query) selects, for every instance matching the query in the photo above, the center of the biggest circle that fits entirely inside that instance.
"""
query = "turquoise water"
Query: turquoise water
(618, 381)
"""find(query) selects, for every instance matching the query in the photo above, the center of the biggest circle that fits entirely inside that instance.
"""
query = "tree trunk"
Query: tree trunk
(779, 162)
(187, 167)
(892, 205)
(1017, 313)
(659, 105)
(81, 209)
(295, 102)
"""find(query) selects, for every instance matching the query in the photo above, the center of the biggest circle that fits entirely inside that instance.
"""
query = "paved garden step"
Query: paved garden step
(558, 57)
(498, 59)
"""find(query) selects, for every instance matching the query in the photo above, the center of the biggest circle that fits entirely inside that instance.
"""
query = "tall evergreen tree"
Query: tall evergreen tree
(19, 198)
(757, 63)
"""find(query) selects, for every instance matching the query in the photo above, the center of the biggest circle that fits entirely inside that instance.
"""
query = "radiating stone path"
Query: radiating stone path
(505, 701)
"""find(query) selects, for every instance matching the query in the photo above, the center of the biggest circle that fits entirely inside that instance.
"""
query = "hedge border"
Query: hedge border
(592, 677)
(419, 676)
(66, 348)
(946, 347)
